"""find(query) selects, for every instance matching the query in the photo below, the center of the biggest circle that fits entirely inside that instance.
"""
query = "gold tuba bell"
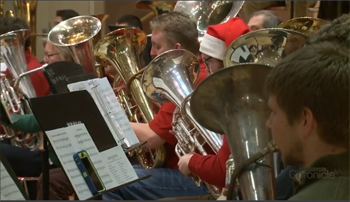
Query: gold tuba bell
(14, 98)
(304, 25)
(121, 49)
(157, 8)
(76, 34)
(231, 102)
(170, 77)
(206, 13)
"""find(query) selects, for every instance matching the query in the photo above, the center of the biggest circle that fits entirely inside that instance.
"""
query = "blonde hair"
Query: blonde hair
(178, 28)
(63, 52)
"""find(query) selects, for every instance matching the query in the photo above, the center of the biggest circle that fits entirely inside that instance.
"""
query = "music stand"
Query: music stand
(73, 107)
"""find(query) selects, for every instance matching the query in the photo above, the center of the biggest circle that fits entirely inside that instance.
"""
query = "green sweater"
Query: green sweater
(27, 123)
(326, 179)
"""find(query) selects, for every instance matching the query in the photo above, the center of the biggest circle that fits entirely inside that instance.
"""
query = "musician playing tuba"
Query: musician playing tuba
(172, 30)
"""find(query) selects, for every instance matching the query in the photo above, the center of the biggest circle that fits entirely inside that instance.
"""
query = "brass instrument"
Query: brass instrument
(121, 49)
(102, 18)
(304, 25)
(231, 101)
(76, 34)
(14, 97)
(264, 46)
(206, 13)
(157, 8)
(170, 77)
(27, 11)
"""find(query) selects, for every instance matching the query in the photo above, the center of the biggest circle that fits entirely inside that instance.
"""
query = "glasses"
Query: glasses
(206, 61)
(50, 55)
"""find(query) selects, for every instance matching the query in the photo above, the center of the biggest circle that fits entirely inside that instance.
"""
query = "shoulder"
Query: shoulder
(326, 189)
(32, 62)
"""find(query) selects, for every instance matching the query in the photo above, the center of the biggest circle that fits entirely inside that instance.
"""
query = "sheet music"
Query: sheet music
(110, 108)
(72, 139)
(9, 189)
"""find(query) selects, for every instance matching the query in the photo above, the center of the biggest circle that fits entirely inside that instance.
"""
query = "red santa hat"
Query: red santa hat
(219, 37)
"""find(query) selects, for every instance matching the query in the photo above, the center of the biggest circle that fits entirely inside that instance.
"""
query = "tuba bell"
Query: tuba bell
(304, 25)
(170, 77)
(206, 13)
(76, 34)
(231, 102)
(13, 97)
(264, 46)
(157, 8)
(121, 49)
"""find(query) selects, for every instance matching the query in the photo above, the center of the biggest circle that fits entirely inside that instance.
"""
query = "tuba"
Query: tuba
(157, 8)
(170, 77)
(264, 46)
(76, 34)
(304, 25)
(14, 96)
(121, 49)
(206, 13)
(231, 102)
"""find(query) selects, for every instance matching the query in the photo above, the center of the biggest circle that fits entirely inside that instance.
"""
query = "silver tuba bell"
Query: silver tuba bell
(231, 102)
(206, 13)
(170, 77)
(14, 96)
(76, 34)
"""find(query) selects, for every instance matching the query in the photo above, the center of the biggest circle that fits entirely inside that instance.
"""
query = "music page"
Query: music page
(9, 189)
(111, 110)
(75, 138)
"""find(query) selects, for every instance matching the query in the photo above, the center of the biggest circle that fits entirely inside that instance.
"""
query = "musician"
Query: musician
(263, 19)
(38, 79)
(65, 14)
(309, 100)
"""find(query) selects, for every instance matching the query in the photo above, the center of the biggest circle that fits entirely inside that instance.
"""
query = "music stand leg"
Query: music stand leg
(45, 170)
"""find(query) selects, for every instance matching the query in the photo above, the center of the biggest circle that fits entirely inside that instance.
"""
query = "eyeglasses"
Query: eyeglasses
(206, 61)
(50, 55)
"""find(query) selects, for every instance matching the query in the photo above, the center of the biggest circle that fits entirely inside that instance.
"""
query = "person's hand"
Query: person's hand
(183, 164)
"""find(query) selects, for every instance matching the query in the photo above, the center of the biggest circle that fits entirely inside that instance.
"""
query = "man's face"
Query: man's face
(256, 22)
(50, 54)
(57, 20)
(287, 137)
(159, 43)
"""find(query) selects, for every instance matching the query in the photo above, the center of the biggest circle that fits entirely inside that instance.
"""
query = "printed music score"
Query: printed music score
(9, 189)
(72, 139)
(111, 110)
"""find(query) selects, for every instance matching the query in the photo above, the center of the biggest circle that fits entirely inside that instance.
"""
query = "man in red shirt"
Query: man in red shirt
(212, 48)
(173, 30)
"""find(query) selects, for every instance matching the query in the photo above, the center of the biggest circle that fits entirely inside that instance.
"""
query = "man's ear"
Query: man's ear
(309, 121)
(177, 46)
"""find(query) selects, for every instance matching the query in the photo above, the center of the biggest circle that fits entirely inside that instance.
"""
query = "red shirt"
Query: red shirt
(211, 168)
(40, 84)
(162, 124)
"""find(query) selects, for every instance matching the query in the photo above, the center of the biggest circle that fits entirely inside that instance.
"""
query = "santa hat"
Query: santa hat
(219, 37)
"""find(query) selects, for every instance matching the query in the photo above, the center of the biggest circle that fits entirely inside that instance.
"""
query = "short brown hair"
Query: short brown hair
(336, 31)
(179, 28)
(316, 77)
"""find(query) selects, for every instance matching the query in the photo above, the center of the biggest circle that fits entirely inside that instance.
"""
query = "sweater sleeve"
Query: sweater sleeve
(211, 168)
(25, 123)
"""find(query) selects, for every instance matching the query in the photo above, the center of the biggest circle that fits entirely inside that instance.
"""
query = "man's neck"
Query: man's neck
(315, 152)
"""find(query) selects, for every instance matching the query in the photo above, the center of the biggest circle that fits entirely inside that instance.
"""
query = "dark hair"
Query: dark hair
(8, 24)
(316, 77)
(271, 19)
(131, 20)
(66, 14)
(335, 31)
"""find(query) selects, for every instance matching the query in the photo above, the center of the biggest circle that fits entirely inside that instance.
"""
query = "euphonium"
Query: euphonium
(12, 53)
(170, 77)
(206, 13)
(121, 49)
(231, 101)
(76, 33)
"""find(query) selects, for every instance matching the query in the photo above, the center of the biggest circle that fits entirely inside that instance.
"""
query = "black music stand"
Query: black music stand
(73, 107)
(12, 174)
(57, 74)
